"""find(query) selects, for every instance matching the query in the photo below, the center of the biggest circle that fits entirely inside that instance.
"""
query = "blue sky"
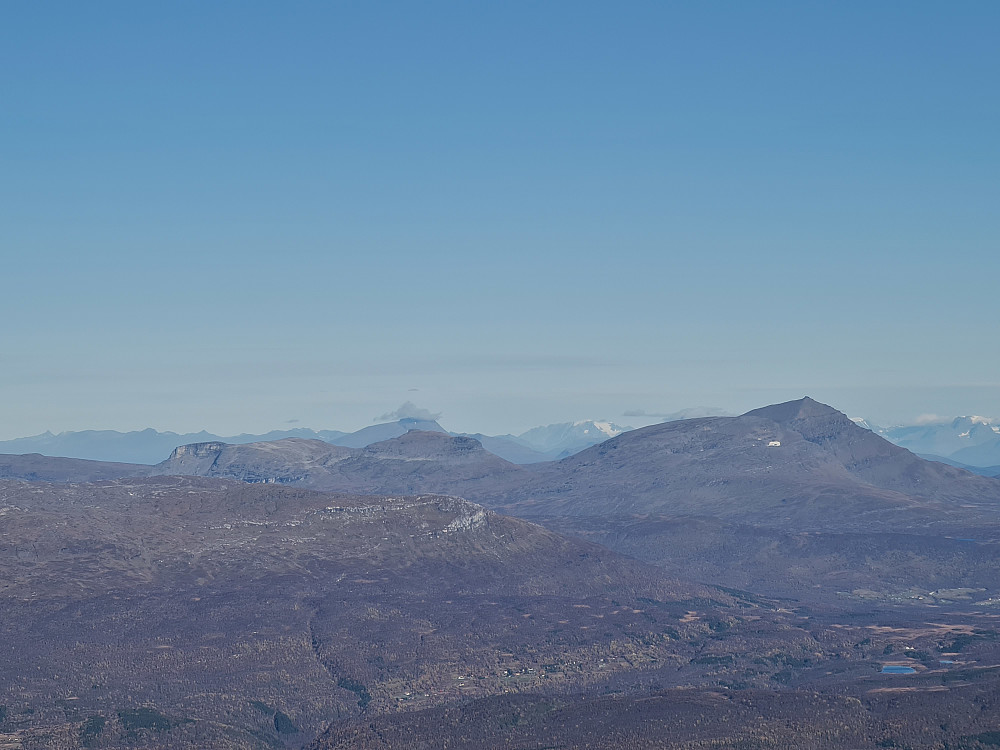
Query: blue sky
(232, 215)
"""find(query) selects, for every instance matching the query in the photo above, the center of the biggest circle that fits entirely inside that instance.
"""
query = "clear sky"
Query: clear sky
(234, 215)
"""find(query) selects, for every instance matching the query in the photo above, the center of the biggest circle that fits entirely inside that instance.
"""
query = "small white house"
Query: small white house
(774, 444)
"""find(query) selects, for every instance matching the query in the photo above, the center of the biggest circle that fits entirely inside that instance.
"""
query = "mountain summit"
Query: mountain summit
(793, 411)
(797, 465)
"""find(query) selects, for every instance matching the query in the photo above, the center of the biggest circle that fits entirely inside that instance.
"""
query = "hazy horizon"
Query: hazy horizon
(630, 419)
(232, 217)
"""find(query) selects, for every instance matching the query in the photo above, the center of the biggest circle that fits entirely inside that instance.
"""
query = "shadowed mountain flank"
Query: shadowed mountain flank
(800, 465)
(793, 499)
(870, 457)
(34, 467)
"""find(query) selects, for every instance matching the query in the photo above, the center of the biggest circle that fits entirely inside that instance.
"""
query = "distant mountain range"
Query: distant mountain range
(703, 573)
(969, 442)
(778, 497)
(561, 440)
(151, 447)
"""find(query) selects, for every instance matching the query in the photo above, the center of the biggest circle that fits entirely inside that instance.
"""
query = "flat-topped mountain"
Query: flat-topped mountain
(416, 461)
(288, 461)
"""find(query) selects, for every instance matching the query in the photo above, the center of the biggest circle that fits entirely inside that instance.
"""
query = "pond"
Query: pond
(892, 669)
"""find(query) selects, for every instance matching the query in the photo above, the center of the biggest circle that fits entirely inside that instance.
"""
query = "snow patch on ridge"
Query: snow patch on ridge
(606, 428)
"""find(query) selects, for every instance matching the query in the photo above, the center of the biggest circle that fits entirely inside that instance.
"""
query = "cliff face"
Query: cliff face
(414, 462)
(197, 450)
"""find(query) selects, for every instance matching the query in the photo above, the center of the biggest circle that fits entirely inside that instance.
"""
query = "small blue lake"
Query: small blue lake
(945, 661)
(890, 669)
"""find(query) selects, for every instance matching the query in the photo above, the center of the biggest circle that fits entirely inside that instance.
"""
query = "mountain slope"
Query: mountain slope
(984, 471)
(800, 465)
(191, 613)
(790, 500)
(34, 467)
(872, 458)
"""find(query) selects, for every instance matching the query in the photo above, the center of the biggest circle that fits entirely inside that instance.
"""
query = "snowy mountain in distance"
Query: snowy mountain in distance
(867, 425)
(566, 438)
(970, 440)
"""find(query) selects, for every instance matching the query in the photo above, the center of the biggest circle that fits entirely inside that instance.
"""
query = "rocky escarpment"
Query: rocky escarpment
(415, 462)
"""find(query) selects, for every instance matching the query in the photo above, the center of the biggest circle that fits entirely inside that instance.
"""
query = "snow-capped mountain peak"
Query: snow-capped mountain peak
(862, 422)
(972, 440)
(605, 428)
(566, 438)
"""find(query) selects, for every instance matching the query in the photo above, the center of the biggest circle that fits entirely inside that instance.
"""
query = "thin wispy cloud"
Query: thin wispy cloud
(409, 410)
(643, 413)
(692, 413)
